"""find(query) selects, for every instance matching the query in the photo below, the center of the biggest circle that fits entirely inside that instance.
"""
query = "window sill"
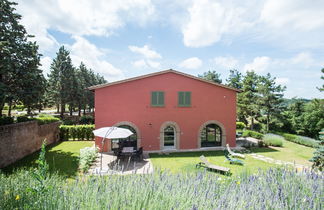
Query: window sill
(157, 106)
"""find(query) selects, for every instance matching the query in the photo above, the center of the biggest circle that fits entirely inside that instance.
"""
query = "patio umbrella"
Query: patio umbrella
(111, 133)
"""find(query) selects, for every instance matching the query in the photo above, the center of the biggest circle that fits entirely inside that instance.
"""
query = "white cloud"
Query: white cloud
(226, 62)
(191, 63)
(81, 17)
(149, 57)
(259, 64)
(303, 58)
(296, 14)
(210, 20)
(46, 64)
(282, 80)
(84, 51)
(146, 64)
(145, 51)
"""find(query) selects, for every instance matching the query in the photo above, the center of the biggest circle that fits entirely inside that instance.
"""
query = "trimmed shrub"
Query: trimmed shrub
(87, 156)
(23, 118)
(6, 120)
(273, 140)
(46, 120)
(68, 122)
(303, 140)
(253, 134)
(86, 119)
(240, 125)
(42, 115)
(76, 132)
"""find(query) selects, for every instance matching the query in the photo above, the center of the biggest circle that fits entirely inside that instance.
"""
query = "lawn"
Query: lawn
(186, 162)
(62, 158)
(290, 152)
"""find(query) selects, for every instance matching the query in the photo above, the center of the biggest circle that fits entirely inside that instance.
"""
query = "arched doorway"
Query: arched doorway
(169, 136)
(211, 134)
(169, 140)
(131, 141)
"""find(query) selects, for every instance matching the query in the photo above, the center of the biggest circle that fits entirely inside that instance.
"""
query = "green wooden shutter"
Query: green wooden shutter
(154, 99)
(161, 99)
(187, 101)
(180, 98)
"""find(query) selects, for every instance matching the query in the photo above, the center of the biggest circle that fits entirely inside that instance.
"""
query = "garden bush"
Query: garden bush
(23, 118)
(273, 140)
(303, 140)
(68, 122)
(87, 156)
(86, 119)
(253, 134)
(46, 120)
(4, 120)
(76, 132)
(240, 125)
(272, 189)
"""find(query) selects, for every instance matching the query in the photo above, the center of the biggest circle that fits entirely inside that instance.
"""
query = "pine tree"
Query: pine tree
(235, 79)
(211, 76)
(61, 79)
(247, 103)
(19, 60)
(271, 97)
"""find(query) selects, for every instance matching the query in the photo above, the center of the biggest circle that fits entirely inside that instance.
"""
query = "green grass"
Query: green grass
(62, 157)
(186, 162)
(290, 152)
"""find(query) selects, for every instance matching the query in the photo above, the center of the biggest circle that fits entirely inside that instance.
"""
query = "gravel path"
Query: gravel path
(297, 166)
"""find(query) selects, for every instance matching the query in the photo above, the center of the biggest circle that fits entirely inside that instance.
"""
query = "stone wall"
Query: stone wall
(21, 139)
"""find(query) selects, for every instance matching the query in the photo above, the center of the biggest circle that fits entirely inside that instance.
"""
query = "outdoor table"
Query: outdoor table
(128, 150)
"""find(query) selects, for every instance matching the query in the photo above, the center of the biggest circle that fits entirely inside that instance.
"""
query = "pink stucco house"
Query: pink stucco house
(168, 110)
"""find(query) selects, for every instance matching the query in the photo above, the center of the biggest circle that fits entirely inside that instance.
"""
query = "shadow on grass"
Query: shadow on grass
(207, 153)
(63, 163)
(263, 149)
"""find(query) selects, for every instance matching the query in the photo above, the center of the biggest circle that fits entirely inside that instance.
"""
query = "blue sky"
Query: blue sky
(122, 39)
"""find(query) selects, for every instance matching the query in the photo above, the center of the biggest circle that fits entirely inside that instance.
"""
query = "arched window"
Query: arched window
(211, 136)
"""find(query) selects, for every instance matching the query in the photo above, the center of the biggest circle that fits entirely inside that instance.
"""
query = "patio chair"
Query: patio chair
(233, 160)
(233, 154)
(138, 154)
(206, 164)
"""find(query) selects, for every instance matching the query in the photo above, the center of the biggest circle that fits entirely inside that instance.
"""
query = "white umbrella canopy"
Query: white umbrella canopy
(112, 132)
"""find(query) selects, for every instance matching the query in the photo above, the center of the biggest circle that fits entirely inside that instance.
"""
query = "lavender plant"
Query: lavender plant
(273, 189)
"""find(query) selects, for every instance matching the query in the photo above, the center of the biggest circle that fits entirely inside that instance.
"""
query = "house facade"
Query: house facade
(168, 110)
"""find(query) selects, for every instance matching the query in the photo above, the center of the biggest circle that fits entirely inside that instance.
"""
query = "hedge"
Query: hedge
(303, 140)
(23, 118)
(6, 120)
(253, 134)
(46, 120)
(86, 119)
(76, 132)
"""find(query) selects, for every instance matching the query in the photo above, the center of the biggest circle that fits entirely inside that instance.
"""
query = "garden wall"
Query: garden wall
(21, 139)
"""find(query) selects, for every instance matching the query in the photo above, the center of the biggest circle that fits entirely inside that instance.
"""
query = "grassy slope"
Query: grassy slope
(290, 151)
(62, 157)
(186, 162)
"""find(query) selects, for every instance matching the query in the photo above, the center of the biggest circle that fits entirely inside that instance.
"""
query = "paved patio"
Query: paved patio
(111, 165)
